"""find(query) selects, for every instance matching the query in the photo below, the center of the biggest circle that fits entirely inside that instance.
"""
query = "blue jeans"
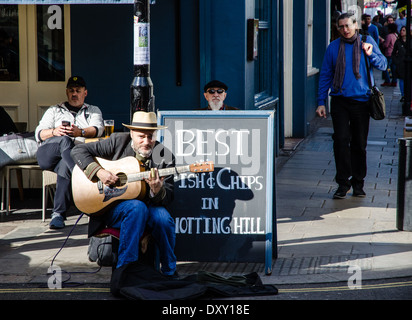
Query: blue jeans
(132, 217)
(402, 87)
(386, 72)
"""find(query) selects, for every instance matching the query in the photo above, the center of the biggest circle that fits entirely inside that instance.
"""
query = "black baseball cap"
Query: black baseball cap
(76, 81)
(215, 84)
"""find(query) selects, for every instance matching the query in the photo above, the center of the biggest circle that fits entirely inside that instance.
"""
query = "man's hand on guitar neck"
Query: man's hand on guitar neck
(154, 181)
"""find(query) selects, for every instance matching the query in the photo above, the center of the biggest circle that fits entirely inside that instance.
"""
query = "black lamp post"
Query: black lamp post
(141, 88)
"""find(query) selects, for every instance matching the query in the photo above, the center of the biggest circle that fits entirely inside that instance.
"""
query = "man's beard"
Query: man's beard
(143, 153)
(216, 104)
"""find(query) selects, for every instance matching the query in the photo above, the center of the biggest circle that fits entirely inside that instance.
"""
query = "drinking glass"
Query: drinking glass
(108, 128)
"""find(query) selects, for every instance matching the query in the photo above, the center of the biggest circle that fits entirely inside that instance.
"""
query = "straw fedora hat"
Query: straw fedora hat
(144, 121)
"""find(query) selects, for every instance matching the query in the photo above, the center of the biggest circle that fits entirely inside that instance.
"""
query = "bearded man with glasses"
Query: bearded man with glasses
(215, 93)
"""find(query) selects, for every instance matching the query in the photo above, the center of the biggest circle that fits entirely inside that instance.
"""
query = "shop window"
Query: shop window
(9, 43)
(50, 43)
(265, 61)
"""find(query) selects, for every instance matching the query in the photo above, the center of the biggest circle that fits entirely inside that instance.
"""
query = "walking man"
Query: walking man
(344, 74)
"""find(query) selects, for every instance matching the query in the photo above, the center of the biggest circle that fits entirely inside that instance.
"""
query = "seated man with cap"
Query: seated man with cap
(133, 216)
(62, 126)
(215, 93)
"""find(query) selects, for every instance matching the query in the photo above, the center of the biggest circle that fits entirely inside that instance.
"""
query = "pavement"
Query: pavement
(319, 239)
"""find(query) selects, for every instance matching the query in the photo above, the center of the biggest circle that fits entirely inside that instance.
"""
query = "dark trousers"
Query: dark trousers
(351, 127)
(54, 155)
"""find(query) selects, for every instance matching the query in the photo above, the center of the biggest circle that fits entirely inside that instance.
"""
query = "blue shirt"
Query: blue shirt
(374, 32)
(357, 89)
(400, 23)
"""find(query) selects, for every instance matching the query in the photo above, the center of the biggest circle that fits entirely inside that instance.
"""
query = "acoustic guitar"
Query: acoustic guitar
(93, 197)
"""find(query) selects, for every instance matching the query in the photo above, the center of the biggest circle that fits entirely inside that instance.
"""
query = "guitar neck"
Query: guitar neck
(162, 172)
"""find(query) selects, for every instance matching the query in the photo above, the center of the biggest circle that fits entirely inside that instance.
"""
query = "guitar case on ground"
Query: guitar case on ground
(137, 281)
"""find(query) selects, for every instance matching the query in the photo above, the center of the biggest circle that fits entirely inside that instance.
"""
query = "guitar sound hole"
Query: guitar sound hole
(122, 179)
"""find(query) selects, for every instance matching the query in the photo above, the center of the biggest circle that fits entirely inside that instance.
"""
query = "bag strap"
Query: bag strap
(367, 63)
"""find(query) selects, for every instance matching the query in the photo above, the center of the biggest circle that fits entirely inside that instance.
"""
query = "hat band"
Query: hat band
(144, 124)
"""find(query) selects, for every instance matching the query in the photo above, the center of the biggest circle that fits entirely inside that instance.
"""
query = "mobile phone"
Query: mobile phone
(65, 123)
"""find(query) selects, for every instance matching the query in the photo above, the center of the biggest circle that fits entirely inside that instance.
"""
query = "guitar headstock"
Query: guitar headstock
(207, 166)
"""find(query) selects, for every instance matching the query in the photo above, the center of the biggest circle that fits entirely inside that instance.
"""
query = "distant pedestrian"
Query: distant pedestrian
(401, 21)
(334, 29)
(388, 47)
(370, 28)
(381, 18)
(389, 20)
(398, 58)
(375, 22)
(344, 73)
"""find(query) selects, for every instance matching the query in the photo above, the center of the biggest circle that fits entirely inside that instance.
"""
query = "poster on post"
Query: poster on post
(227, 215)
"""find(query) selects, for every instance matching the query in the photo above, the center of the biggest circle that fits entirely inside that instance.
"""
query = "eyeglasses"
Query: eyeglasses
(212, 91)
(347, 26)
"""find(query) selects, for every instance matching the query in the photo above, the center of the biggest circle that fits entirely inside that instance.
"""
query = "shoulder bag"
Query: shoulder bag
(18, 148)
(377, 106)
